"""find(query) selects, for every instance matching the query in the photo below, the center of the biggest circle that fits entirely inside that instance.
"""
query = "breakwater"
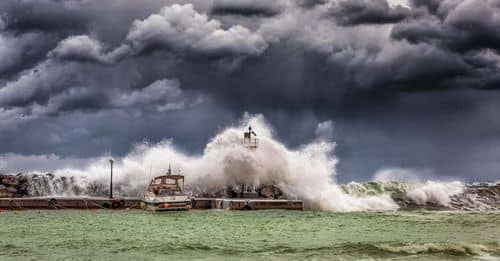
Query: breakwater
(135, 203)
(407, 196)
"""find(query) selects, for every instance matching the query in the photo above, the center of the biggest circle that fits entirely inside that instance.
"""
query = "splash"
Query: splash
(439, 193)
(306, 173)
(409, 181)
(451, 195)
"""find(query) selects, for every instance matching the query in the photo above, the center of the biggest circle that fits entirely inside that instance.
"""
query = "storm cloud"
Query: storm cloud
(247, 7)
(402, 84)
(355, 12)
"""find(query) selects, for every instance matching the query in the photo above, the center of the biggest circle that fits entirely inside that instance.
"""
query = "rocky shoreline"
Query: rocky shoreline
(38, 185)
(14, 185)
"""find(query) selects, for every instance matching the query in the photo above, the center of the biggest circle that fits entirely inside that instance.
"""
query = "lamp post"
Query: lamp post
(111, 180)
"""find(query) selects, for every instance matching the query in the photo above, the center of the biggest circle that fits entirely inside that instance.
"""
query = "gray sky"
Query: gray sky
(409, 84)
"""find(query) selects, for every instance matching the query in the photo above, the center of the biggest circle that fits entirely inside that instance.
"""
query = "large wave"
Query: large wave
(306, 173)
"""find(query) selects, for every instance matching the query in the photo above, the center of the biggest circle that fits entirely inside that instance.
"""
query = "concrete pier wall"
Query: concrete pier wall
(122, 203)
(63, 203)
(257, 204)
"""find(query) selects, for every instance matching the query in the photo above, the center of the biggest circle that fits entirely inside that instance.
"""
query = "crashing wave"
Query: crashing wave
(432, 194)
(454, 249)
(307, 173)
(407, 196)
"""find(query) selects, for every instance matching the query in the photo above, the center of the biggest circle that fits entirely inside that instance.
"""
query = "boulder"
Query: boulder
(269, 191)
(6, 194)
(11, 190)
(14, 185)
(9, 180)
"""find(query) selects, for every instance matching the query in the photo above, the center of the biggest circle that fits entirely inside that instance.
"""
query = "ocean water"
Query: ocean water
(252, 235)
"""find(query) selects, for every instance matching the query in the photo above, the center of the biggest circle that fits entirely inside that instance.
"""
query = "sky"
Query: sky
(396, 84)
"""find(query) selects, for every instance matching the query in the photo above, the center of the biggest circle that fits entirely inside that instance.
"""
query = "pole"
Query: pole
(111, 180)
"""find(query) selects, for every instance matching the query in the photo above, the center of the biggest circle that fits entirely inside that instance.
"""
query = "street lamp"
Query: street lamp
(111, 180)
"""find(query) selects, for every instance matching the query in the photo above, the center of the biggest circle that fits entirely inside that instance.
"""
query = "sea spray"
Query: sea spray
(439, 193)
(421, 193)
(307, 173)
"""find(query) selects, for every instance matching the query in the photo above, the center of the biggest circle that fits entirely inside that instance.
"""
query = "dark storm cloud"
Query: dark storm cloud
(468, 26)
(412, 67)
(246, 8)
(19, 52)
(44, 15)
(37, 84)
(124, 71)
(310, 3)
(355, 12)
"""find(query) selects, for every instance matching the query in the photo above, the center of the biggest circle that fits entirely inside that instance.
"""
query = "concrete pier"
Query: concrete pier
(246, 204)
(122, 203)
(68, 203)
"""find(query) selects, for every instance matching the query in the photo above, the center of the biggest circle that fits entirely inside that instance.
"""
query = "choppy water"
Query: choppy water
(256, 235)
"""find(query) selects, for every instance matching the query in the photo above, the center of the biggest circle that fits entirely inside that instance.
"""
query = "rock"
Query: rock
(14, 185)
(6, 194)
(229, 192)
(9, 180)
(269, 191)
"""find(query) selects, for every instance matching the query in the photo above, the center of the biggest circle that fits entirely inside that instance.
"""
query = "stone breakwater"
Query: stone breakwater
(14, 185)
(40, 185)
(472, 197)
(36, 185)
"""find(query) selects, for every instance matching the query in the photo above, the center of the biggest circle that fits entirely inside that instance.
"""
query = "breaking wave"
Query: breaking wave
(307, 173)
(456, 249)
(432, 194)
(383, 251)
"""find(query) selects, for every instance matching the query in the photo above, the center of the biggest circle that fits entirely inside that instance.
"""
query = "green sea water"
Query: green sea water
(252, 235)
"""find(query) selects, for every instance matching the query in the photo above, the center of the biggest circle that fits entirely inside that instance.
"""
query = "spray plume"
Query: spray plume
(306, 173)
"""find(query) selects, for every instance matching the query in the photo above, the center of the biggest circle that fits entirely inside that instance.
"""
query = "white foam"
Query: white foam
(306, 173)
(436, 192)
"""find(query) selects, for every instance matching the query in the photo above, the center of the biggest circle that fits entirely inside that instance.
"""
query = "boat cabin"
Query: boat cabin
(167, 185)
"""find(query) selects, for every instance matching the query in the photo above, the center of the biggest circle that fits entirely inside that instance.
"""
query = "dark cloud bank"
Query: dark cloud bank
(411, 86)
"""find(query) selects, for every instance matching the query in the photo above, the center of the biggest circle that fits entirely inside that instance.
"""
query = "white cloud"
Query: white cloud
(80, 48)
(181, 27)
(394, 3)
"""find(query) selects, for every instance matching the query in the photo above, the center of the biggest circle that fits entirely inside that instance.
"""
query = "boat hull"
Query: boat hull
(166, 205)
